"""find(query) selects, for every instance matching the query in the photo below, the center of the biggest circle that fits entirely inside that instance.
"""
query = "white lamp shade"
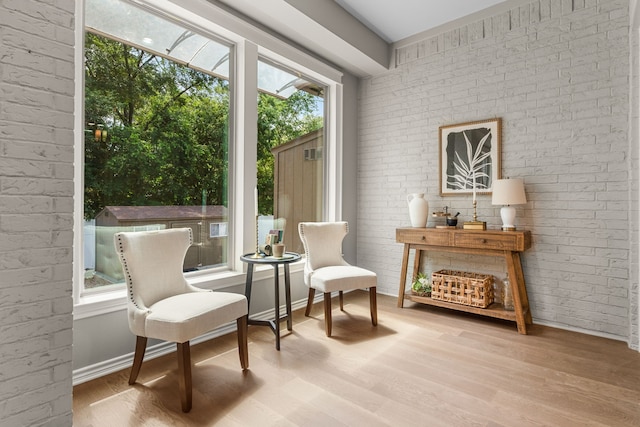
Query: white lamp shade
(508, 192)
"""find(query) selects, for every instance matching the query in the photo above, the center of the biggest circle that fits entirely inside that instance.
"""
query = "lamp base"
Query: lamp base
(508, 215)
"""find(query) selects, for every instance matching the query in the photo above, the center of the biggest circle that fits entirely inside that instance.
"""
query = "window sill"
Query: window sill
(95, 304)
(98, 303)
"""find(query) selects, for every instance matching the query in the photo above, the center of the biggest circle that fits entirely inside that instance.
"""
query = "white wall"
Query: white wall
(36, 209)
(557, 73)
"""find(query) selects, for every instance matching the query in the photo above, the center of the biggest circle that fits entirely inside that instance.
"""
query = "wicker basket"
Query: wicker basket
(464, 288)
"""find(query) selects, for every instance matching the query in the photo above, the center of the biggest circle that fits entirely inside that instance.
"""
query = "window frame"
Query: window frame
(249, 44)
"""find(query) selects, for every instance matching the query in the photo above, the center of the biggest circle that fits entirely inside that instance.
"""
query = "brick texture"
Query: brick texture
(36, 211)
(557, 73)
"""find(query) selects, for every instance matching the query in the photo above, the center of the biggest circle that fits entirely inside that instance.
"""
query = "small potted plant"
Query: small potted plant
(421, 285)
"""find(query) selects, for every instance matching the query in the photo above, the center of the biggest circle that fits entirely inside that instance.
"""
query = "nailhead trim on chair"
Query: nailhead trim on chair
(126, 272)
(301, 230)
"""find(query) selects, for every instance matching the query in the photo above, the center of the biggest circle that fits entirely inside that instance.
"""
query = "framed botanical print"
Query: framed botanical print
(470, 157)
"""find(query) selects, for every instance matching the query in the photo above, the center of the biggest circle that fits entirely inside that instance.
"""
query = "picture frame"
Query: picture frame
(468, 149)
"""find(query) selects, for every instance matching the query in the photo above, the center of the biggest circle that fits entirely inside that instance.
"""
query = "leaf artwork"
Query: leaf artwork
(467, 161)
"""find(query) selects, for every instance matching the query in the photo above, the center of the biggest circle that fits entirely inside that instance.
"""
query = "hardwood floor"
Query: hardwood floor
(421, 366)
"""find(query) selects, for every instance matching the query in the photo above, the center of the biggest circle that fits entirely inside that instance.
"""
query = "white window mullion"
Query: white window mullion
(78, 155)
(333, 177)
(245, 141)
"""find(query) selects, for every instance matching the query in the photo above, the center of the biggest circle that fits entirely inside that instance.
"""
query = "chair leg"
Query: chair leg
(373, 302)
(312, 294)
(242, 323)
(341, 301)
(327, 313)
(184, 375)
(141, 345)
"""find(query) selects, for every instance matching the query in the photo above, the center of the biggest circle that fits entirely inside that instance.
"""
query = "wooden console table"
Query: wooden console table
(507, 244)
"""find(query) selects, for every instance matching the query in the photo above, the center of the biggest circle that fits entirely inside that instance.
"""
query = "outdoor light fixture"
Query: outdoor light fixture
(100, 134)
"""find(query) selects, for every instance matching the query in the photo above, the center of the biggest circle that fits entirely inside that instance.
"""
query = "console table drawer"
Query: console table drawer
(508, 242)
(515, 241)
(423, 236)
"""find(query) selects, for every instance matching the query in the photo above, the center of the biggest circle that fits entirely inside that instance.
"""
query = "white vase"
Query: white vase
(418, 209)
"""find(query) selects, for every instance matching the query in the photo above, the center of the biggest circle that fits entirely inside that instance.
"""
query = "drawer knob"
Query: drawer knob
(484, 240)
(424, 237)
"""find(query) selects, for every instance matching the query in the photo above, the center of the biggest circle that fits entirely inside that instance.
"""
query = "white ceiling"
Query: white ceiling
(398, 19)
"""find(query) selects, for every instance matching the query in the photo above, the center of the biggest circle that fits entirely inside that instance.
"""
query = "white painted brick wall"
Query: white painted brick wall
(36, 211)
(557, 73)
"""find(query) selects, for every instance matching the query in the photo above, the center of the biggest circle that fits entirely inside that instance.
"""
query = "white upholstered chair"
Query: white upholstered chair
(162, 305)
(326, 270)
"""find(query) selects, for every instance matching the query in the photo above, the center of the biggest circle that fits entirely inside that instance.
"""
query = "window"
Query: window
(171, 139)
(156, 136)
(290, 123)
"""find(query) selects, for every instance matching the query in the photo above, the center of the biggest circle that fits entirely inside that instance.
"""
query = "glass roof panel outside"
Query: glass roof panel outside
(275, 81)
(133, 25)
(278, 82)
(138, 27)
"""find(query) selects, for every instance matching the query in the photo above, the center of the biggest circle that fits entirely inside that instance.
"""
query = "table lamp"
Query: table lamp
(507, 192)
